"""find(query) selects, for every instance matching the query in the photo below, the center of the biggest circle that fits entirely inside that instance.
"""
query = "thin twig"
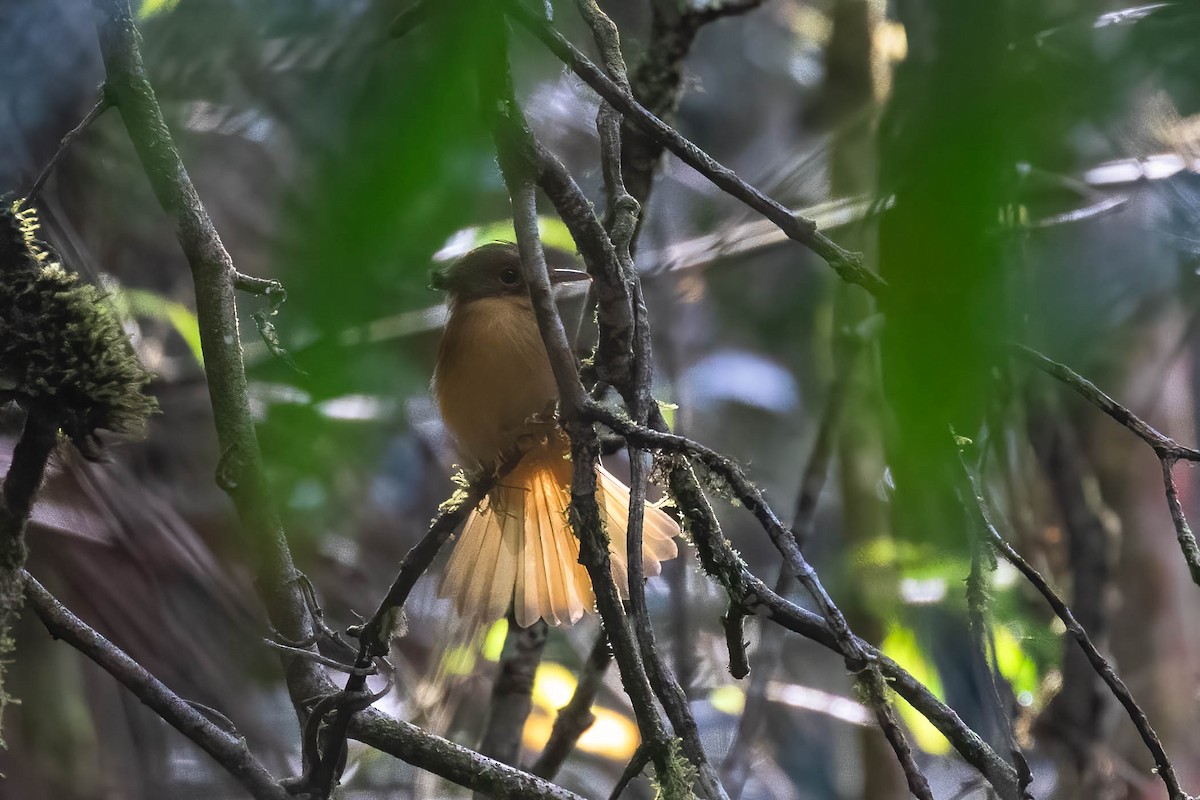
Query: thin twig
(217, 718)
(735, 768)
(1165, 448)
(374, 635)
(227, 748)
(720, 561)
(849, 266)
(371, 634)
(1163, 766)
(1163, 445)
(1183, 531)
(349, 669)
(983, 653)
(101, 106)
(260, 286)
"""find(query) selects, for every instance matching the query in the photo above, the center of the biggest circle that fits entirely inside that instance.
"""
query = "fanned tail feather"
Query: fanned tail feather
(518, 546)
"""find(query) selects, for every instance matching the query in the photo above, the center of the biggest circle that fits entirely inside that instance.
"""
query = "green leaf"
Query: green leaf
(1013, 662)
(552, 230)
(668, 411)
(493, 643)
(149, 8)
(143, 303)
(901, 646)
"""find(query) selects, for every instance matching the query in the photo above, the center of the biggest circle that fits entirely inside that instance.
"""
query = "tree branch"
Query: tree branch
(101, 106)
(227, 749)
(1165, 448)
(509, 131)
(374, 636)
(576, 716)
(453, 762)
(977, 506)
(735, 767)
(213, 274)
(720, 561)
(848, 265)
(657, 81)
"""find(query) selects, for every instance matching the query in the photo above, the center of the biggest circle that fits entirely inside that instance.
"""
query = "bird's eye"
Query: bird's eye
(509, 277)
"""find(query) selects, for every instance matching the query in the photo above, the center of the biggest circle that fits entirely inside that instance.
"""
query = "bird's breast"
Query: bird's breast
(492, 375)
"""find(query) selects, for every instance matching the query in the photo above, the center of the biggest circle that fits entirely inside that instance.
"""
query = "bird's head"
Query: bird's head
(493, 270)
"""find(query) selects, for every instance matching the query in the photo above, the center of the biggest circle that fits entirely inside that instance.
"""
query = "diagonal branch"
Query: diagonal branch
(1104, 669)
(1165, 448)
(657, 81)
(851, 647)
(735, 767)
(848, 265)
(213, 275)
(576, 716)
(374, 635)
(101, 106)
(227, 749)
(748, 591)
(455, 763)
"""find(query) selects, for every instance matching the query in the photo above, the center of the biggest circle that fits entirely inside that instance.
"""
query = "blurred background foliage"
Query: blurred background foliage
(1019, 169)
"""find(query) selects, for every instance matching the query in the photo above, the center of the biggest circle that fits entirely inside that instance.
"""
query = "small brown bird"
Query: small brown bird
(496, 392)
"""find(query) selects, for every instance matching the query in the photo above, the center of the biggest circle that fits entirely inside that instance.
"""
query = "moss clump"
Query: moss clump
(676, 783)
(62, 349)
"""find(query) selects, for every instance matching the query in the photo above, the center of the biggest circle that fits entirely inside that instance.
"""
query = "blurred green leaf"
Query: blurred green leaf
(147, 304)
(552, 230)
(1014, 664)
(668, 411)
(493, 643)
(901, 646)
(151, 7)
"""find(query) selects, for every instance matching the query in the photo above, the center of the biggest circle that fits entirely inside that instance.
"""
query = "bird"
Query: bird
(496, 393)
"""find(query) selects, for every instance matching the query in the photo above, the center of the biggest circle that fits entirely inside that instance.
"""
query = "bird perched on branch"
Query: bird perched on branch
(496, 392)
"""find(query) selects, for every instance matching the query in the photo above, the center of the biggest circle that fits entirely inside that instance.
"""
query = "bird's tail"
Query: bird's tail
(518, 546)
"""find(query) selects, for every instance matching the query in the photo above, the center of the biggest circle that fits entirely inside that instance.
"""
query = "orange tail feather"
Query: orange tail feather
(518, 546)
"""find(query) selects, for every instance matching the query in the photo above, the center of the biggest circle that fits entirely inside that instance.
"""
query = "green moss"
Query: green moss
(676, 783)
(8, 617)
(62, 348)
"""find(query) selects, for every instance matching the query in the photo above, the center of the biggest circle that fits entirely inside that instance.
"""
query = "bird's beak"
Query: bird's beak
(437, 281)
(568, 275)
